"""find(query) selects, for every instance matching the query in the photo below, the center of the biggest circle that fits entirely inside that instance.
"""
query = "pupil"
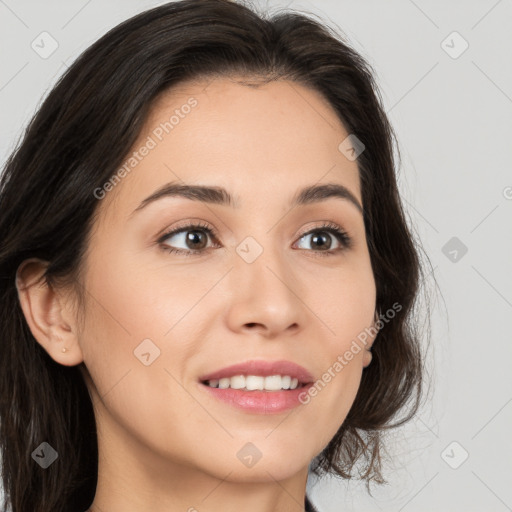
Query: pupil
(193, 237)
(322, 240)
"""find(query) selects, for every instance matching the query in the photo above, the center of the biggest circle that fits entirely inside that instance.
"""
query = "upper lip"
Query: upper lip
(264, 369)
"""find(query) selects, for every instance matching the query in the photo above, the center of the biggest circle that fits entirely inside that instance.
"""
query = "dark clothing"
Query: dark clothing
(309, 506)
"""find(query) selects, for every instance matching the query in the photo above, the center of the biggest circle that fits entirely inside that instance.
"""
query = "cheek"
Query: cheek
(141, 329)
(136, 377)
(150, 297)
(348, 310)
(346, 305)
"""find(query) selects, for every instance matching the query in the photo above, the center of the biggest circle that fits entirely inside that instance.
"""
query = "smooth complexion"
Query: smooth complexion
(165, 444)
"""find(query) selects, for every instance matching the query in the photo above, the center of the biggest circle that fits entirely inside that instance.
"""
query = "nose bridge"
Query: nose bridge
(263, 285)
(262, 260)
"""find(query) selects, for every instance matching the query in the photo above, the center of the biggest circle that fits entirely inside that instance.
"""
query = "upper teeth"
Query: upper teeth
(255, 382)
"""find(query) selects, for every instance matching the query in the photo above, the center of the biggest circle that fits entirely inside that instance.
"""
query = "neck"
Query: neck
(133, 478)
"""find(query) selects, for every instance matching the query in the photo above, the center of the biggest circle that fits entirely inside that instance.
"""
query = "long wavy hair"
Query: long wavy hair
(77, 140)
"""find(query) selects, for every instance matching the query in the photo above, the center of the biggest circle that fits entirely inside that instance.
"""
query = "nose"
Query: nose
(265, 296)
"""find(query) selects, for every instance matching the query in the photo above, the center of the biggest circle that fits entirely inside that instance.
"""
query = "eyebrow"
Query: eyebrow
(220, 196)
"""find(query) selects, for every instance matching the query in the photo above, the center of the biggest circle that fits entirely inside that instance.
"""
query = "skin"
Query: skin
(165, 444)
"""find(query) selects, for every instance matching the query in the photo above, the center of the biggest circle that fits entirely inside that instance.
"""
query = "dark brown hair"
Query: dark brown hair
(78, 139)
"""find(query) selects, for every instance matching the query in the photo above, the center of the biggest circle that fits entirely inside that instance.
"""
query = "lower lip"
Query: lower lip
(260, 402)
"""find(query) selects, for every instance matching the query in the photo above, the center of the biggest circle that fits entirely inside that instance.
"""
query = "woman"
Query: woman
(207, 276)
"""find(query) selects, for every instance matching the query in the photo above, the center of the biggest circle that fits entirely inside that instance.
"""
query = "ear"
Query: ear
(367, 355)
(47, 313)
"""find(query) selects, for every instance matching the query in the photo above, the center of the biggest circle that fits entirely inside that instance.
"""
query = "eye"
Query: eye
(322, 237)
(194, 239)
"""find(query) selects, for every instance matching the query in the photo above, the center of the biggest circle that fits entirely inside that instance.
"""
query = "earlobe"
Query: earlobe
(48, 320)
(367, 355)
(367, 358)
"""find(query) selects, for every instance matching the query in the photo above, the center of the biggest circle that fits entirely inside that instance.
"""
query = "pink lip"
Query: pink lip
(256, 401)
(259, 402)
(264, 369)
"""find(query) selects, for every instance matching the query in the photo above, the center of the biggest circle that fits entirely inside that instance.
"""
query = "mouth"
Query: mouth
(259, 387)
(269, 383)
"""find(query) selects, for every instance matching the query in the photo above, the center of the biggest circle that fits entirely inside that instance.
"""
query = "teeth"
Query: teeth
(255, 382)
(237, 382)
(252, 382)
(224, 383)
(273, 383)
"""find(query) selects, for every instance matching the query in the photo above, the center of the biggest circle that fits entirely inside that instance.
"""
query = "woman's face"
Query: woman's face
(262, 288)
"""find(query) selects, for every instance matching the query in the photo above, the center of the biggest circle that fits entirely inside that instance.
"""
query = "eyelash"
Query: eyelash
(329, 227)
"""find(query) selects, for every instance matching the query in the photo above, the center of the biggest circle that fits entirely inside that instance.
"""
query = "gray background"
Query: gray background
(452, 116)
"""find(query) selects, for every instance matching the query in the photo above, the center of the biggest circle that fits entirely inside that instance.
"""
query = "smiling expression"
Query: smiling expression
(213, 252)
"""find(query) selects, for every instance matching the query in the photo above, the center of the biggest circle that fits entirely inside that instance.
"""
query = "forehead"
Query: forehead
(258, 141)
